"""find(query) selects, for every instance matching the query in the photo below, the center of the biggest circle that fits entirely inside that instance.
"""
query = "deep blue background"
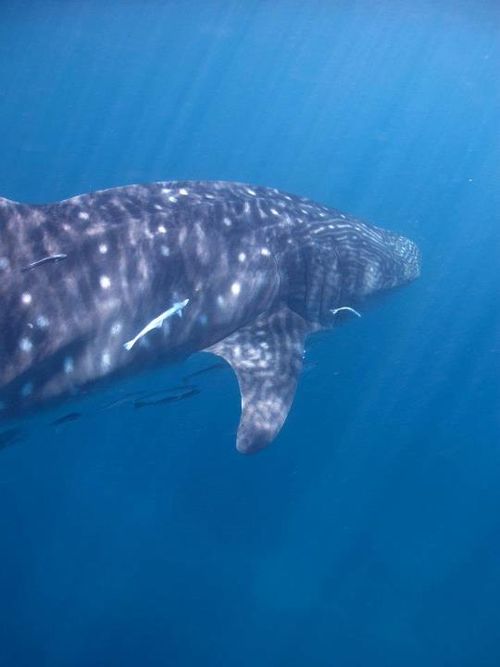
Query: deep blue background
(369, 533)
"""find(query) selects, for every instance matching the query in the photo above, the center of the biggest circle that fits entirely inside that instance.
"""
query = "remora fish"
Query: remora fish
(252, 270)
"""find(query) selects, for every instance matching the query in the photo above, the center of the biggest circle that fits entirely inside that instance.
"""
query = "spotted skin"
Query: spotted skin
(259, 269)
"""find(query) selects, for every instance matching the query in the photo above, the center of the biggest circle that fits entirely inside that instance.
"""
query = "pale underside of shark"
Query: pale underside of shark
(104, 284)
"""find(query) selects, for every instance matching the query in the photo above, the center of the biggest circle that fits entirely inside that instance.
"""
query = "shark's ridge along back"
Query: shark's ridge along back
(89, 288)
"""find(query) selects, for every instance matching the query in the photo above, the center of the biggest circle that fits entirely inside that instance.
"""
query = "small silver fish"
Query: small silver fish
(156, 323)
(51, 259)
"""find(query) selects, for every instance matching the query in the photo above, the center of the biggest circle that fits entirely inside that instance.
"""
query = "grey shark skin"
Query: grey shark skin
(173, 268)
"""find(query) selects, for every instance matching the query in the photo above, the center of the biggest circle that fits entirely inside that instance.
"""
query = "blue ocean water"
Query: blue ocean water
(369, 532)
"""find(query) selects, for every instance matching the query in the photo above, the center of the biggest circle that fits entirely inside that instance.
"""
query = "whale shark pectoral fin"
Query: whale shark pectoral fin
(267, 359)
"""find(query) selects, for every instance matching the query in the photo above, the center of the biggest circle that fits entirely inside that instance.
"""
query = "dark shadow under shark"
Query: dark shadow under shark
(107, 283)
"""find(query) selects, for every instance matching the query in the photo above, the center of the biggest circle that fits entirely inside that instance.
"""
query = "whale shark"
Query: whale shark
(109, 283)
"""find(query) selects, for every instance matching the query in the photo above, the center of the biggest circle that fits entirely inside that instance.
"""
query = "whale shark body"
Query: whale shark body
(107, 283)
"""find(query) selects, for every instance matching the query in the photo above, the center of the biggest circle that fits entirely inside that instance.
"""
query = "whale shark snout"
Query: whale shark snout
(407, 255)
(394, 262)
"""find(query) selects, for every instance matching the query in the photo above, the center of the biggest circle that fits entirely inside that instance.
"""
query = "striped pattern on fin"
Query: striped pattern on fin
(266, 356)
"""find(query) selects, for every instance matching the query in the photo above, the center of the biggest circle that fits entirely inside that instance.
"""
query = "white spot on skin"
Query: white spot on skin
(166, 190)
(242, 257)
(26, 345)
(251, 192)
(162, 229)
(165, 251)
(83, 215)
(26, 298)
(69, 366)
(42, 322)
(105, 360)
(235, 289)
(220, 300)
(103, 248)
(27, 389)
(172, 199)
(105, 282)
(116, 328)
(227, 222)
(265, 252)
(183, 191)
(4, 263)
(274, 211)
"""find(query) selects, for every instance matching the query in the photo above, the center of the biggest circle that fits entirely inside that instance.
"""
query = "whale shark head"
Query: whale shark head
(395, 266)
(340, 261)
